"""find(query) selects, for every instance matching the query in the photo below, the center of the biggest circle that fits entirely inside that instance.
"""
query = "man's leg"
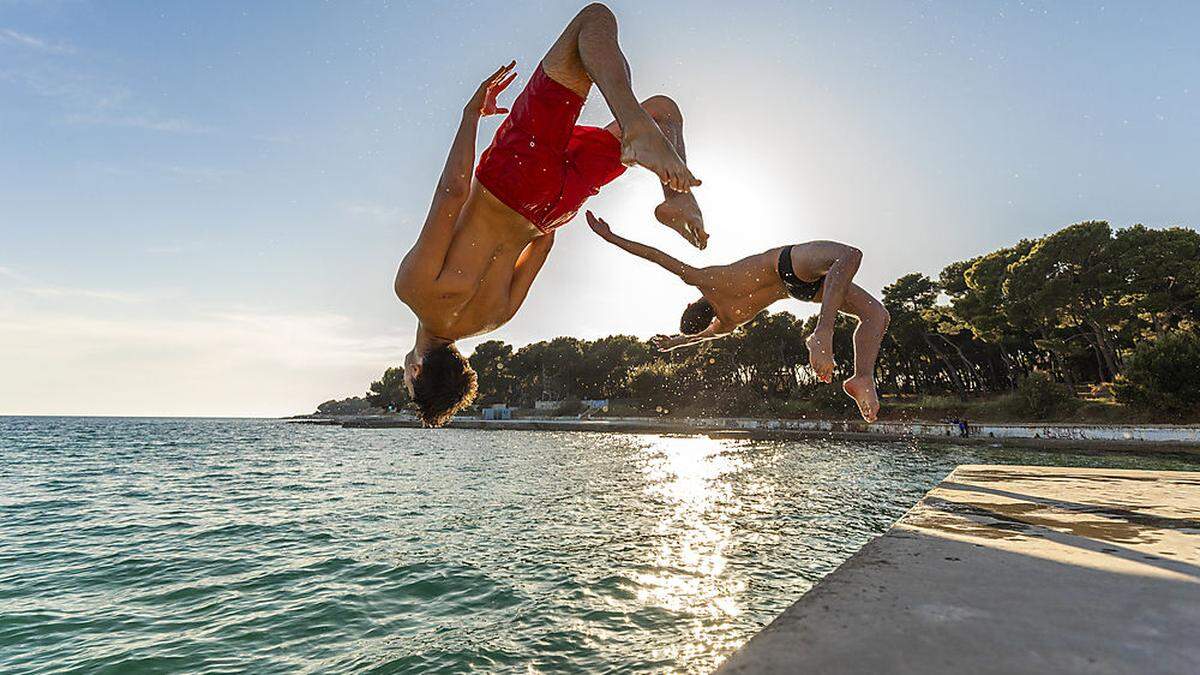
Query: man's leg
(587, 52)
(873, 321)
(679, 210)
(838, 263)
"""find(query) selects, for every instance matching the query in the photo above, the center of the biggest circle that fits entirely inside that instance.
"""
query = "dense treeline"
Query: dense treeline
(1084, 305)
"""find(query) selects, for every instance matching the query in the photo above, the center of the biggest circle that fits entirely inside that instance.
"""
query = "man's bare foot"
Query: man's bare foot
(682, 214)
(861, 388)
(820, 354)
(643, 144)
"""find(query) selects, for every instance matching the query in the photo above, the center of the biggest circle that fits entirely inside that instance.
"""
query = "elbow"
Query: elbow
(853, 255)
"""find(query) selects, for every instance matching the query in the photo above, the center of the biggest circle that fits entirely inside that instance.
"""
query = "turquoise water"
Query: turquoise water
(206, 546)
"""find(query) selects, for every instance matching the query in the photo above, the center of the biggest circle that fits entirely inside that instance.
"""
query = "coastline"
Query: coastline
(1148, 438)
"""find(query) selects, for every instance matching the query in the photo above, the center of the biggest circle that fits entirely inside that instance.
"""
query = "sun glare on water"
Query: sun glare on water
(688, 482)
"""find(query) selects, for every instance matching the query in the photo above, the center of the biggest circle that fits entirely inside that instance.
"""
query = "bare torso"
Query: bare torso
(472, 293)
(740, 290)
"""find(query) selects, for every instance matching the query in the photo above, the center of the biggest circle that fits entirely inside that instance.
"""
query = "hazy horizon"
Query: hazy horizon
(203, 206)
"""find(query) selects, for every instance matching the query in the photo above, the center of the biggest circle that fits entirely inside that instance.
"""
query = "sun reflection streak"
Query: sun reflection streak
(689, 479)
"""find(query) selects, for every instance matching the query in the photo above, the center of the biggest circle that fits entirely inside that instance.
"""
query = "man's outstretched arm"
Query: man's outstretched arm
(686, 272)
(428, 254)
(666, 343)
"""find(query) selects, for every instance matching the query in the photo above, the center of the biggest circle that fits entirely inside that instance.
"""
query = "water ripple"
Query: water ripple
(221, 546)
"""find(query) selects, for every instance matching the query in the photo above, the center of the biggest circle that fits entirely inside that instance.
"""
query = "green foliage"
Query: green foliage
(492, 361)
(1068, 282)
(1163, 377)
(920, 349)
(606, 363)
(1162, 271)
(653, 385)
(830, 400)
(1040, 397)
(979, 301)
(347, 406)
(388, 390)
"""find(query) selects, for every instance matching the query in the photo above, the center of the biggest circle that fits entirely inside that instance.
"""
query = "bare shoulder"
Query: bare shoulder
(419, 288)
(407, 281)
(701, 276)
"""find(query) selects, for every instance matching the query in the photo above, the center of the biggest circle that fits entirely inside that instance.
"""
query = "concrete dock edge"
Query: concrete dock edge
(1010, 569)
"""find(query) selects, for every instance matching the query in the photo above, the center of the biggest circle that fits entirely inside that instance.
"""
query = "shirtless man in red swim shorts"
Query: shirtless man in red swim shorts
(816, 271)
(486, 238)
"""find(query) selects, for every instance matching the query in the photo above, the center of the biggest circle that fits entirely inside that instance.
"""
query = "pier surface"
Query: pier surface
(1010, 569)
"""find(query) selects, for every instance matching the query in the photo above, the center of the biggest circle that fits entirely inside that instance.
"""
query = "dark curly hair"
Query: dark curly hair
(696, 317)
(445, 385)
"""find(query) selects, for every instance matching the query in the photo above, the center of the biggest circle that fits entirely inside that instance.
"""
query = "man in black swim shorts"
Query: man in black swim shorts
(817, 271)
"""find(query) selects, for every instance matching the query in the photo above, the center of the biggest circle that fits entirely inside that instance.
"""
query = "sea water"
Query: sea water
(219, 546)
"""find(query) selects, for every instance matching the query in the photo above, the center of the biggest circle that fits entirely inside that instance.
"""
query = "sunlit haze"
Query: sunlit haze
(202, 205)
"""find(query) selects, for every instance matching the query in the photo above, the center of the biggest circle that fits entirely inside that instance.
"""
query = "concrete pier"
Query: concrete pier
(1010, 569)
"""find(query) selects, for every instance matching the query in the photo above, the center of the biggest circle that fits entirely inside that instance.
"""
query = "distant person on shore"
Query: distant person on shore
(491, 226)
(817, 271)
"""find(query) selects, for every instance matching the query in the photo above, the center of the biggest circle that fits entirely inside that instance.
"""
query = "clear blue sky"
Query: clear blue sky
(202, 204)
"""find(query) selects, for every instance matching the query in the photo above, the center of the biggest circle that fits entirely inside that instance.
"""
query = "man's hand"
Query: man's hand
(665, 343)
(483, 103)
(598, 225)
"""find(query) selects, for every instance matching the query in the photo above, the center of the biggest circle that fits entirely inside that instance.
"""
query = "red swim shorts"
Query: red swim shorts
(540, 163)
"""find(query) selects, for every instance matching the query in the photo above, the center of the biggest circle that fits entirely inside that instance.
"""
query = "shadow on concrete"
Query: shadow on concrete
(997, 474)
(1107, 534)
(1136, 517)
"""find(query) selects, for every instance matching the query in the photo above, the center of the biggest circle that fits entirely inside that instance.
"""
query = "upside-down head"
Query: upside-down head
(696, 317)
(441, 382)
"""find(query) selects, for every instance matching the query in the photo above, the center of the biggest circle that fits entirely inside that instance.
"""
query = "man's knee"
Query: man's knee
(597, 11)
(878, 315)
(661, 106)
